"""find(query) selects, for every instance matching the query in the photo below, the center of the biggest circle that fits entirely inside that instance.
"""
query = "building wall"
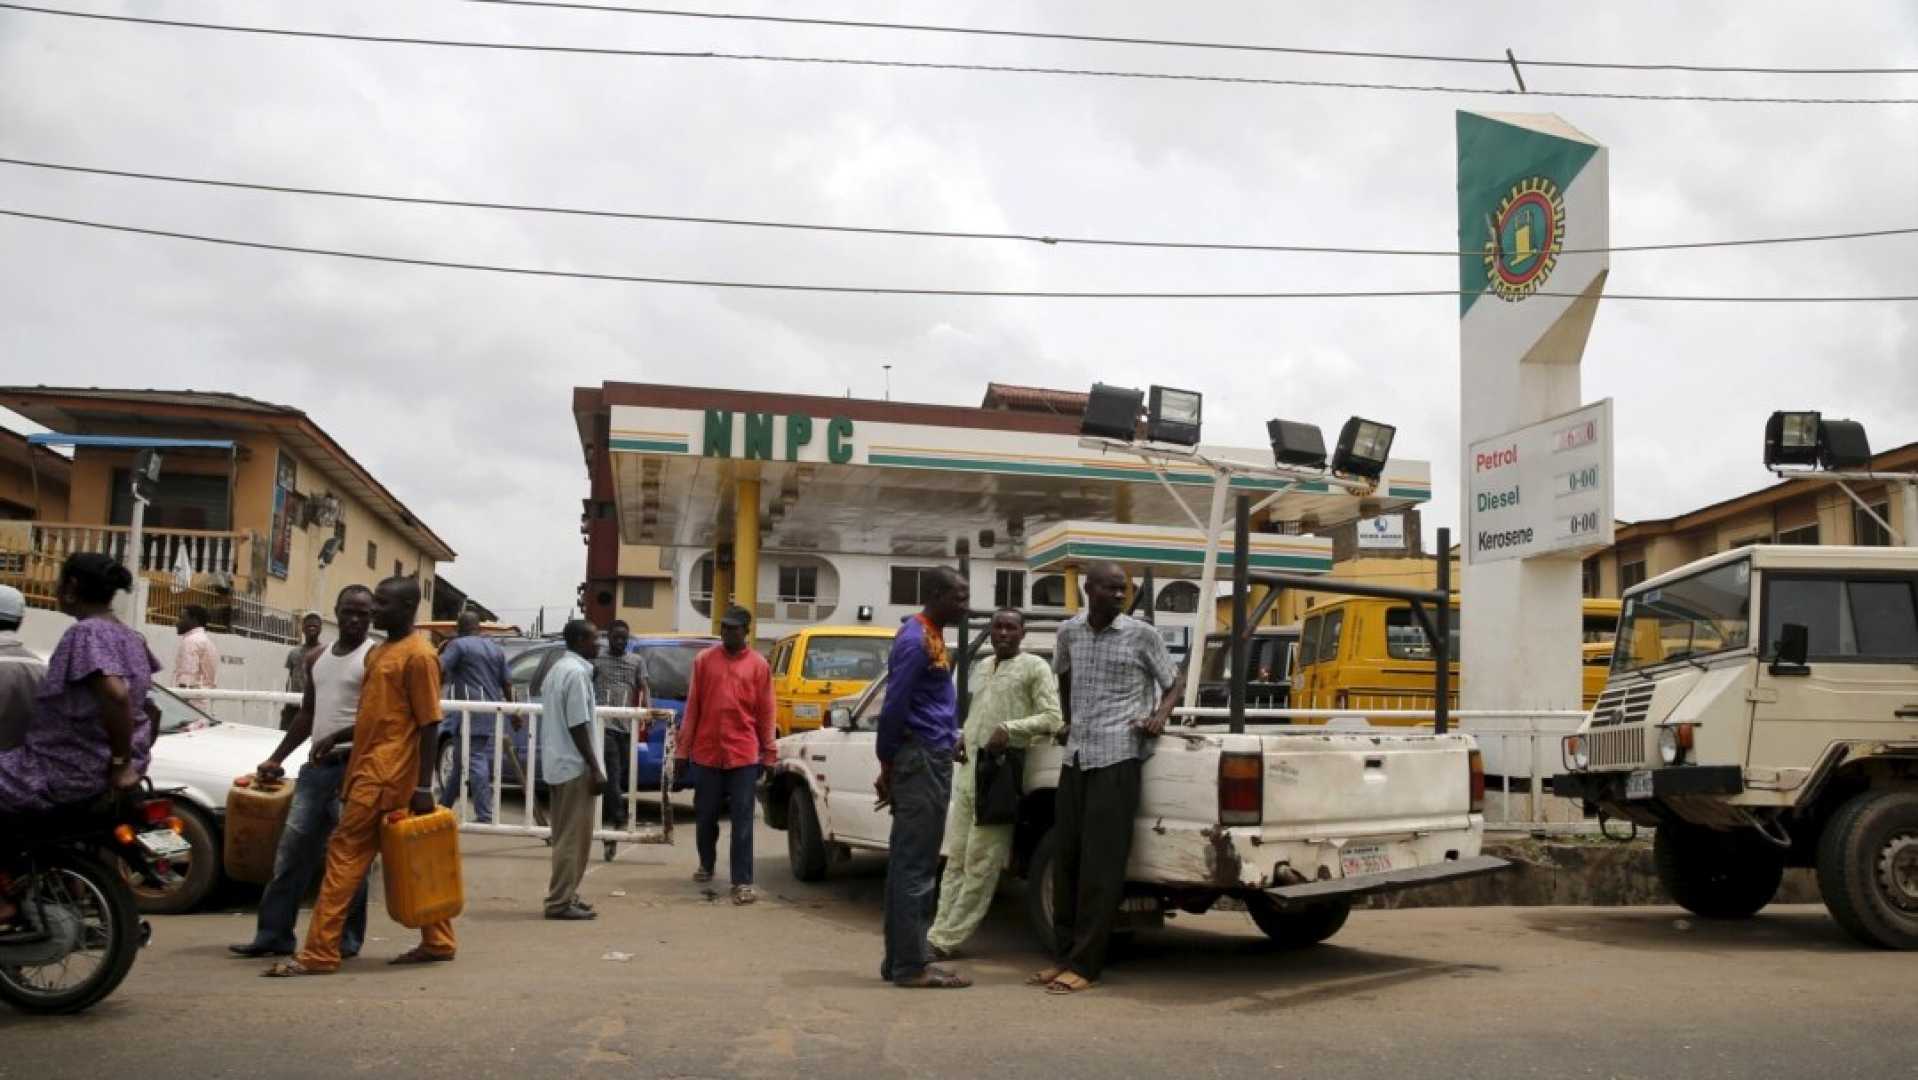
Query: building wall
(17, 487)
(307, 586)
(639, 565)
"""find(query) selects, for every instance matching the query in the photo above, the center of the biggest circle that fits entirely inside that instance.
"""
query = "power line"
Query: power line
(1236, 80)
(1291, 50)
(945, 234)
(883, 290)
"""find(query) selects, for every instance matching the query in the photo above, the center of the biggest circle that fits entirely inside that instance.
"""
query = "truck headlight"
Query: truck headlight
(1674, 742)
(1577, 756)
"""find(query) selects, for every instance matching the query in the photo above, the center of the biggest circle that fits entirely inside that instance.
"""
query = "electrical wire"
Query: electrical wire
(945, 234)
(1290, 50)
(881, 290)
(1236, 80)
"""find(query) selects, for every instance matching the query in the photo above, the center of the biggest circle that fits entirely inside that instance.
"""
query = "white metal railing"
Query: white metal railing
(160, 549)
(1519, 747)
(502, 711)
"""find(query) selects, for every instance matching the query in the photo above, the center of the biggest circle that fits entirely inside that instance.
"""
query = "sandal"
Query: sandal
(418, 955)
(1046, 977)
(290, 969)
(933, 978)
(1069, 982)
(744, 894)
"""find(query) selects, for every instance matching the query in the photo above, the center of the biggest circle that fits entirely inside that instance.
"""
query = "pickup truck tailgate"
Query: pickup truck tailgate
(1334, 779)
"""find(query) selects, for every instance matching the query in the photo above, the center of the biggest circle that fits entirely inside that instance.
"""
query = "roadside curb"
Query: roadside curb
(1569, 872)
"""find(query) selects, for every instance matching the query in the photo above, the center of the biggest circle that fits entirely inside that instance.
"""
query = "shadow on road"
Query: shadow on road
(1797, 929)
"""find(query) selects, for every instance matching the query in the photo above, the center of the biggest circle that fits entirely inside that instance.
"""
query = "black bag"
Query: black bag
(999, 781)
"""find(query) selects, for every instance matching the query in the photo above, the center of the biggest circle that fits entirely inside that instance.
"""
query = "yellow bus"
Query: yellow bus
(820, 663)
(1362, 653)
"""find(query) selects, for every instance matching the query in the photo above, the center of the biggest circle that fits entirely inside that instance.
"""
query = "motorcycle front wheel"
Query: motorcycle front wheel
(91, 903)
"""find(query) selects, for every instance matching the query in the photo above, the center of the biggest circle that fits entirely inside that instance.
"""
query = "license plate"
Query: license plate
(1369, 859)
(164, 843)
(1638, 785)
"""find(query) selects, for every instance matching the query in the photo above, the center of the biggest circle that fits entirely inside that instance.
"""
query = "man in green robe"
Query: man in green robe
(1015, 700)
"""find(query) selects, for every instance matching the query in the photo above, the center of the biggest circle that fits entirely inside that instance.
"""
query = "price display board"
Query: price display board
(1542, 490)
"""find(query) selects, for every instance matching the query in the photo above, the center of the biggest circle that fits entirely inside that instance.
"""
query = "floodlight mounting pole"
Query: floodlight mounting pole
(1907, 532)
(1223, 471)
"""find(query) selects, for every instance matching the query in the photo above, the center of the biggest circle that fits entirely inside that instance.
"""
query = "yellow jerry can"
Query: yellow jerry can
(255, 815)
(420, 860)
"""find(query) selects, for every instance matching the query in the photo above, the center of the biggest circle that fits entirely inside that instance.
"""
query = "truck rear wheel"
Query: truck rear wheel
(1297, 927)
(1717, 874)
(1039, 890)
(805, 846)
(1868, 868)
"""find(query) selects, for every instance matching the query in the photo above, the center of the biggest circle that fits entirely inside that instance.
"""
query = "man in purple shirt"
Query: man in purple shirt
(918, 725)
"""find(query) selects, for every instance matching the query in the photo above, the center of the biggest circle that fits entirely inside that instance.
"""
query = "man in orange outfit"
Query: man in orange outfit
(391, 769)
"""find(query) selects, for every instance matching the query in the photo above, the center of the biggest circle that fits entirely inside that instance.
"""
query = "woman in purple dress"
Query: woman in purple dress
(92, 729)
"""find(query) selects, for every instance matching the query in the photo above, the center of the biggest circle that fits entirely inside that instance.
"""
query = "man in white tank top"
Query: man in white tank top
(330, 704)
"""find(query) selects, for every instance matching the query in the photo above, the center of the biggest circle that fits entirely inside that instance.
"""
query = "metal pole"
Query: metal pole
(1442, 648)
(1208, 618)
(1150, 590)
(1241, 644)
(137, 602)
(1908, 517)
(964, 660)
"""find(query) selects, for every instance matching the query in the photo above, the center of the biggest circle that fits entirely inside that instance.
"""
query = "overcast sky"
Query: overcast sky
(454, 387)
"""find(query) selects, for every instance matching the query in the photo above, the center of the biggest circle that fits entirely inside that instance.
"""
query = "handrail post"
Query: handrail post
(1241, 643)
(1442, 647)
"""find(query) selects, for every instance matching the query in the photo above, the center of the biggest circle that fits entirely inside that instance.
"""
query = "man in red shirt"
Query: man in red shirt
(727, 734)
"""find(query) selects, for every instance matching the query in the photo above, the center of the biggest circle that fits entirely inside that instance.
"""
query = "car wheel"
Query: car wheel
(1868, 868)
(1039, 890)
(805, 845)
(448, 767)
(1298, 927)
(198, 870)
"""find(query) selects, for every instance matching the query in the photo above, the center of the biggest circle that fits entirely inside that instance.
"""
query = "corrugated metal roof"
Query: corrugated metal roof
(1034, 399)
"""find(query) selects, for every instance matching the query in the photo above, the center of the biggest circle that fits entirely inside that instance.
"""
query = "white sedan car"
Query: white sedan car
(200, 756)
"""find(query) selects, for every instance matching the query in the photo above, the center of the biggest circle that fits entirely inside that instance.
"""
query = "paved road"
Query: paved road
(789, 987)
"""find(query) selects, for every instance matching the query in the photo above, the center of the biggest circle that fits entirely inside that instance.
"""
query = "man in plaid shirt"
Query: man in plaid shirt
(1116, 687)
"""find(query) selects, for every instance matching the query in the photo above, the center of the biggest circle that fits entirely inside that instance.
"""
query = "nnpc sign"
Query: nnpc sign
(791, 437)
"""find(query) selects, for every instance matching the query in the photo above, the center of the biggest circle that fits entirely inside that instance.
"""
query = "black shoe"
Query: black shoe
(574, 913)
(253, 952)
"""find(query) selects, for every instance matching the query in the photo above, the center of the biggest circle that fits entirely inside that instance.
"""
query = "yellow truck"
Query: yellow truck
(1371, 654)
(820, 663)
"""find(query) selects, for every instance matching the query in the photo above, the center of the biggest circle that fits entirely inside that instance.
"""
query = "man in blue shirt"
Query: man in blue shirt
(918, 726)
(473, 668)
(570, 744)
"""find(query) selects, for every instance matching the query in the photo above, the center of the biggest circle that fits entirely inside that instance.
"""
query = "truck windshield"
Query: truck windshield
(1705, 613)
(845, 657)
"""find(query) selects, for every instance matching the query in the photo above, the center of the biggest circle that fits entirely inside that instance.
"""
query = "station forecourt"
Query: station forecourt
(815, 510)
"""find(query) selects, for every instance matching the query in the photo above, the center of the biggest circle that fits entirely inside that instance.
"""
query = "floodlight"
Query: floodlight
(1174, 416)
(1294, 443)
(1112, 412)
(1364, 446)
(1791, 438)
(1842, 445)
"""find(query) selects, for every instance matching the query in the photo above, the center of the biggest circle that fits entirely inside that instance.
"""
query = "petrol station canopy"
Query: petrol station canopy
(891, 478)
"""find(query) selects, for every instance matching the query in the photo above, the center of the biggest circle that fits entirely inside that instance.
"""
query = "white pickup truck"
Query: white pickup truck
(1293, 821)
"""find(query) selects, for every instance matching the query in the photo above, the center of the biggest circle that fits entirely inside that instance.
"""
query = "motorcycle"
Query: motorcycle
(74, 931)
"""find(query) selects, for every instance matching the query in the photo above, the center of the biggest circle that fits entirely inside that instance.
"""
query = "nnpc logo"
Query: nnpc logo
(1527, 234)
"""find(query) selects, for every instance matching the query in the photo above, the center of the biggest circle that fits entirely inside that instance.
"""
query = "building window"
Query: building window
(637, 593)
(1049, 591)
(1630, 574)
(798, 584)
(1804, 534)
(1590, 583)
(1009, 589)
(1865, 531)
(1179, 598)
(908, 584)
(180, 501)
(372, 555)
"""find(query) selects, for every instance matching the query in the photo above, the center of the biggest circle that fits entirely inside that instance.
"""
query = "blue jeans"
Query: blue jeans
(921, 789)
(480, 768)
(710, 788)
(302, 857)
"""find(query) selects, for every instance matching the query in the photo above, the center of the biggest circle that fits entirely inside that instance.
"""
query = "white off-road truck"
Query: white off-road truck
(1762, 713)
(1293, 821)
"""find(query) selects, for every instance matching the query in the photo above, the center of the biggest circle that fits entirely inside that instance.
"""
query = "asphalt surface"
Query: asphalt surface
(789, 987)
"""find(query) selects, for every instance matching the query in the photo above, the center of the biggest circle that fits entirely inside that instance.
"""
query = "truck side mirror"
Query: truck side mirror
(840, 717)
(1793, 646)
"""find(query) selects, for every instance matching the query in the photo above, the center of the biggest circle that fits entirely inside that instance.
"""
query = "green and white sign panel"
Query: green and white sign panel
(1545, 489)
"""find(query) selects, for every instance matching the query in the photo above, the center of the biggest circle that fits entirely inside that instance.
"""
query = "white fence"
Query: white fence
(1520, 748)
(502, 713)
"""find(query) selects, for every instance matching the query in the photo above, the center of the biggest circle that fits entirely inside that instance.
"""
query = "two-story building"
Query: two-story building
(264, 516)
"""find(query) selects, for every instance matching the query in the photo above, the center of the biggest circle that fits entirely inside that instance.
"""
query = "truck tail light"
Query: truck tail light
(1477, 765)
(1241, 788)
(156, 811)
